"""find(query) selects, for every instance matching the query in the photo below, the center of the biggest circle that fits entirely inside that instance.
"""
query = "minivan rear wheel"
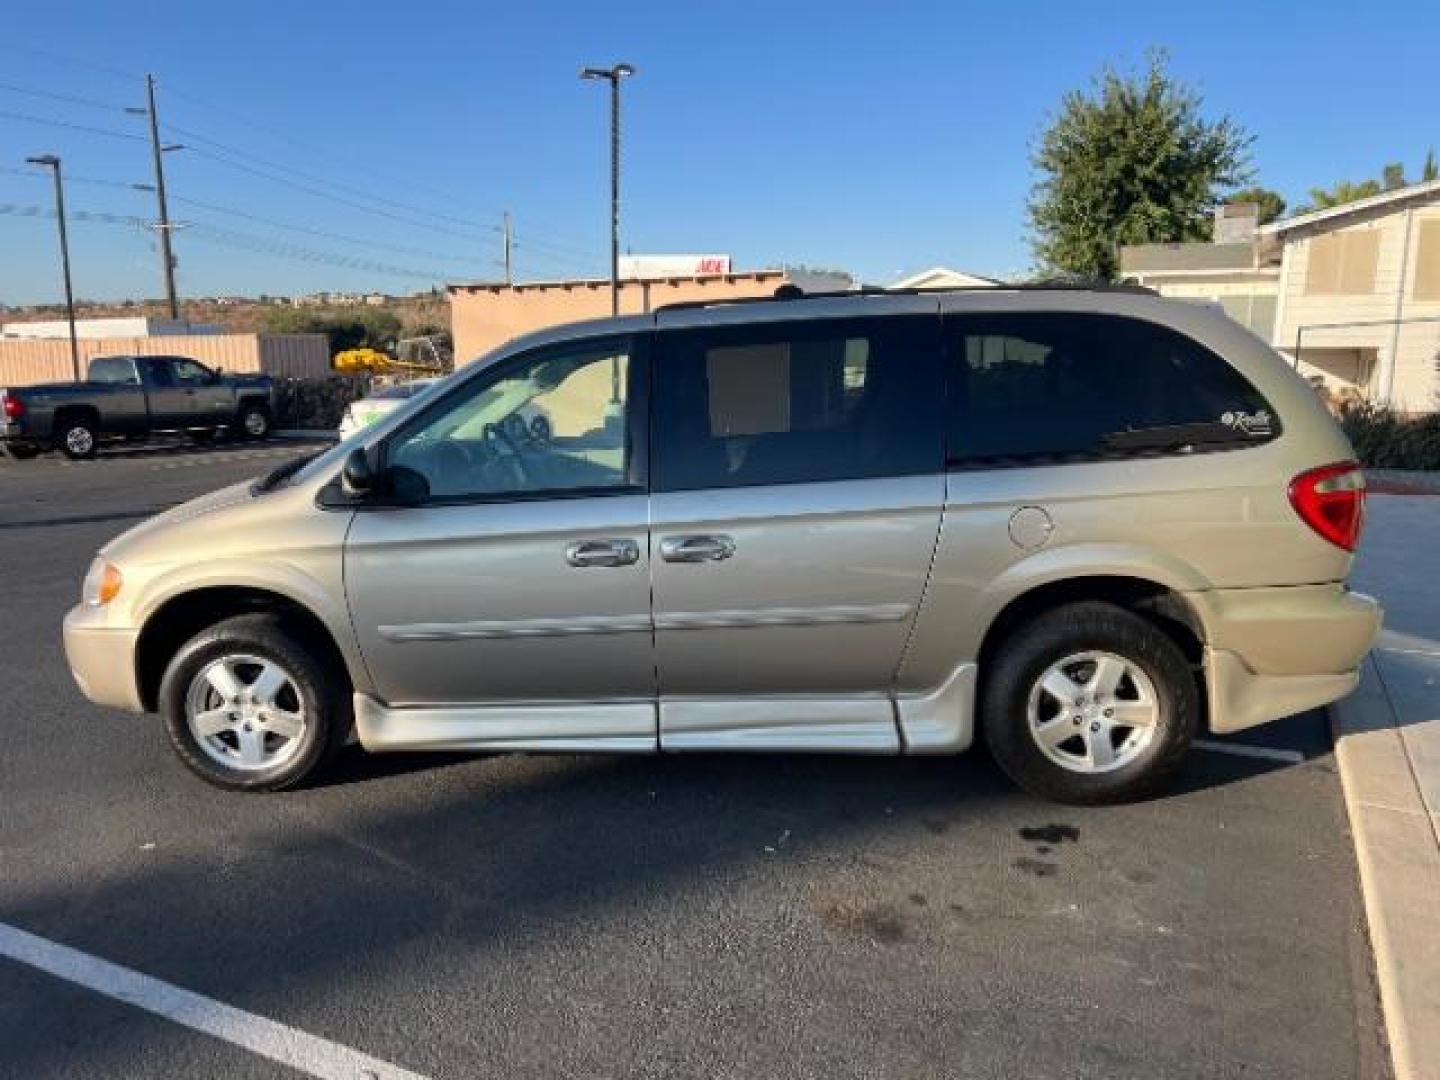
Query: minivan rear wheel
(249, 706)
(1089, 703)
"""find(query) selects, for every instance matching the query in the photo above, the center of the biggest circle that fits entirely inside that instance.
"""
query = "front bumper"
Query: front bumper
(1275, 652)
(102, 658)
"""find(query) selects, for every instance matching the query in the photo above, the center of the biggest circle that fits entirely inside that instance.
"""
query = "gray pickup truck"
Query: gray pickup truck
(131, 398)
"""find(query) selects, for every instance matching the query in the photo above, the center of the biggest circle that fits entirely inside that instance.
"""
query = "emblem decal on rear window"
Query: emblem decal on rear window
(1256, 423)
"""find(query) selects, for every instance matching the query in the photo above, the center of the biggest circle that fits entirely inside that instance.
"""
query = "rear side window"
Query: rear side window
(1077, 386)
(113, 369)
(784, 403)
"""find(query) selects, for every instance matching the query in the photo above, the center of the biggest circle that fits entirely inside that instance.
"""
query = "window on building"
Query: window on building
(1049, 387)
(784, 403)
(1427, 260)
(1342, 263)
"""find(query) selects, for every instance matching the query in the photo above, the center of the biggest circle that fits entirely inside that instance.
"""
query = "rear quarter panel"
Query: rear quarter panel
(1188, 522)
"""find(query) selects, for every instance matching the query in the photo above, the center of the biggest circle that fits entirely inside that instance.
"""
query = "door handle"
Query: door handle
(585, 553)
(694, 549)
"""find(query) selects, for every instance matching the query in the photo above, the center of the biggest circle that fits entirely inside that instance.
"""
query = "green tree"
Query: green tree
(358, 328)
(1271, 203)
(1392, 176)
(1344, 192)
(1131, 161)
(1429, 171)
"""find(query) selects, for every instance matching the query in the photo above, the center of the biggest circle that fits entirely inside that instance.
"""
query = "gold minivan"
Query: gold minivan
(1084, 524)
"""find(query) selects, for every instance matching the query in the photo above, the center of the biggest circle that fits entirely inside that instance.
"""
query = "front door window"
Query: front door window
(554, 421)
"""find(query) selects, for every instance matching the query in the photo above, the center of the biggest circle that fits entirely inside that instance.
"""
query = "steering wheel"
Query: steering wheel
(502, 454)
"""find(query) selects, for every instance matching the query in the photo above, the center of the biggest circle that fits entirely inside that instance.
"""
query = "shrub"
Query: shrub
(1384, 439)
(316, 403)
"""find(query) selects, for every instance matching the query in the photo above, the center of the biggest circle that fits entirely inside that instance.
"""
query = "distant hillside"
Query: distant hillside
(416, 314)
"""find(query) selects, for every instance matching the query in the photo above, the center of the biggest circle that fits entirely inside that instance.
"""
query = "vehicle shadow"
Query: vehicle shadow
(271, 903)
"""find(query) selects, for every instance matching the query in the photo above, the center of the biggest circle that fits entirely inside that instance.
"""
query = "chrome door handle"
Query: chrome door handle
(696, 548)
(584, 553)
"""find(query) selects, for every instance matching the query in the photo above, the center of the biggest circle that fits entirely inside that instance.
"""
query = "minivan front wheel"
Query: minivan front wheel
(249, 706)
(1089, 703)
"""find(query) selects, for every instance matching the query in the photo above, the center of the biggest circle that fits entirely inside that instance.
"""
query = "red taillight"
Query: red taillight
(13, 407)
(1331, 500)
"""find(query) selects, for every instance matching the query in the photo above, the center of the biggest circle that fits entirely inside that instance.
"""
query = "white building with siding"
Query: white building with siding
(1359, 303)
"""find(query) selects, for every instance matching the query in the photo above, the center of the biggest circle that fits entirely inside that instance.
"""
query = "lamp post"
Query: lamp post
(613, 75)
(50, 161)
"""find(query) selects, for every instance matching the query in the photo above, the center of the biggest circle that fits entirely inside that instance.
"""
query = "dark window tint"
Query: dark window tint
(781, 403)
(188, 371)
(113, 369)
(1078, 386)
(158, 371)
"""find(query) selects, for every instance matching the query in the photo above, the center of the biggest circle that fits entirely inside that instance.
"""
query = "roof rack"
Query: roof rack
(788, 292)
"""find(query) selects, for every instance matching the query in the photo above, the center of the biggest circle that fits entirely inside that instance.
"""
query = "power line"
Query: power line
(62, 58)
(51, 122)
(259, 219)
(230, 238)
(66, 98)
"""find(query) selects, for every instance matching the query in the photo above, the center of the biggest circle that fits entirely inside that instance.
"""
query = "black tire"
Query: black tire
(76, 436)
(203, 436)
(1029, 652)
(324, 696)
(20, 452)
(253, 421)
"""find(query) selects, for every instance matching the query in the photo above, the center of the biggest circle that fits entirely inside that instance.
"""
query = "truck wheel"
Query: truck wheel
(76, 437)
(254, 421)
(249, 706)
(1089, 704)
(202, 435)
(20, 452)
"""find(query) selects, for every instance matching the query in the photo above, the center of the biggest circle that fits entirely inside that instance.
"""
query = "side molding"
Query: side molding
(941, 721)
(562, 726)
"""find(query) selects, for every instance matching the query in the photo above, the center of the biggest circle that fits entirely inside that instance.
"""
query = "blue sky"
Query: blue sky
(881, 138)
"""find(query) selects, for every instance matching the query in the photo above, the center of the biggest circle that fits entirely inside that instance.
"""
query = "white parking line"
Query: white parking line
(1267, 753)
(306, 1053)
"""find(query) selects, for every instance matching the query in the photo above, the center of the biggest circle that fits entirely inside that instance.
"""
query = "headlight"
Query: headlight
(102, 583)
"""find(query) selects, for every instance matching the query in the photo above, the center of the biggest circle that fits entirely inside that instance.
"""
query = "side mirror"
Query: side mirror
(357, 478)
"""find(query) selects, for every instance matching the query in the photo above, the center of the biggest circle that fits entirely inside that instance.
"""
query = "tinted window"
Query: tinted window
(158, 372)
(781, 403)
(555, 420)
(1078, 386)
(113, 369)
(188, 371)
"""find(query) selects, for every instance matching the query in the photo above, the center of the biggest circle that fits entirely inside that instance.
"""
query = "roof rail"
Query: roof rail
(788, 292)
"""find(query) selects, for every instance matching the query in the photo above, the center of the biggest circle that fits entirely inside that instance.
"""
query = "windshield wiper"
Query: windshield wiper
(276, 477)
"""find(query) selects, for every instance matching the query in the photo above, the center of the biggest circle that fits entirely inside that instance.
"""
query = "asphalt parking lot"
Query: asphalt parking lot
(761, 916)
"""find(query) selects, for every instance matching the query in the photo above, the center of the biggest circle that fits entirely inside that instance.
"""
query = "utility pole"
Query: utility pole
(613, 76)
(50, 161)
(508, 279)
(163, 226)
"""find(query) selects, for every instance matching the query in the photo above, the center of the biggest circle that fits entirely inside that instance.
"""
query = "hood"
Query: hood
(186, 511)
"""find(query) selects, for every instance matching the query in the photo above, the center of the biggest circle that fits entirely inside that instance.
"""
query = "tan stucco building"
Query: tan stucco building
(489, 314)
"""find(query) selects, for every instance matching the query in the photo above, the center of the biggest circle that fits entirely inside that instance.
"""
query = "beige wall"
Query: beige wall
(26, 362)
(484, 316)
(1412, 350)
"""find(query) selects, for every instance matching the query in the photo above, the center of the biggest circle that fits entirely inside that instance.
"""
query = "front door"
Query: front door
(524, 576)
(171, 404)
(798, 481)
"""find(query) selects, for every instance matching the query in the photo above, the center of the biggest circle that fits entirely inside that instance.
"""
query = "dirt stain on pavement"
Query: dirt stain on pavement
(1050, 834)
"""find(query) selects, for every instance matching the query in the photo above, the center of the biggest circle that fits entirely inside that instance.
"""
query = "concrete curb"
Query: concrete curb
(1399, 860)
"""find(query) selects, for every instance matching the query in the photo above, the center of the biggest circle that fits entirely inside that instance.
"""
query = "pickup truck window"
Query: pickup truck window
(113, 369)
(158, 370)
(188, 371)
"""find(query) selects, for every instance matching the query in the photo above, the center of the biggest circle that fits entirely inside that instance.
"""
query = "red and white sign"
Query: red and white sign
(649, 267)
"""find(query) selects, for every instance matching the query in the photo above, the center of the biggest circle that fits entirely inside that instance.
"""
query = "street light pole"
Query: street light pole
(613, 76)
(52, 162)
